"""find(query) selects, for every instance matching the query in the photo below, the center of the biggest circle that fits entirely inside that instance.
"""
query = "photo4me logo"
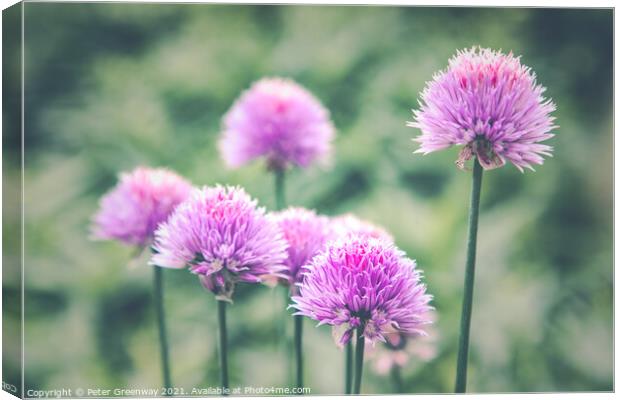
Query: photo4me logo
(9, 387)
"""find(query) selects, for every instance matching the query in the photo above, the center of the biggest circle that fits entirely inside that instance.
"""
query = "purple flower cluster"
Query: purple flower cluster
(306, 233)
(489, 103)
(221, 234)
(366, 283)
(141, 200)
(279, 120)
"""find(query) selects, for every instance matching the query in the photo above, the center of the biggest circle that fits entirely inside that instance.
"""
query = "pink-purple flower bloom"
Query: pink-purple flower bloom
(489, 103)
(365, 283)
(306, 234)
(141, 200)
(400, 348)
(279, 120)
(222, 236)
(348, 224)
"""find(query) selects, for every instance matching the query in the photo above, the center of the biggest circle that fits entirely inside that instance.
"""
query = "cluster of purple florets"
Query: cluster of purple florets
(490, 104)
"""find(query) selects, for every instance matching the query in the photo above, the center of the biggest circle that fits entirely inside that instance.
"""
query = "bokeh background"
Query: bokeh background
(113, 86)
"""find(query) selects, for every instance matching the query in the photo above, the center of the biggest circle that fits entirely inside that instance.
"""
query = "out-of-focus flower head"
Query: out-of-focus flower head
(279, 120)
(306, 234)
(366, 283)
(223, 237)
(489, 103)
(142, 199)
(400, 348)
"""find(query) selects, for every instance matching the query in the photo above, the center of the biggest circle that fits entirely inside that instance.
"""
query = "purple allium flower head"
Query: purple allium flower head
(349, 224)
(222, 236)
(140, 201)
(489, 103)
(279, 120)
(363, 282)
(306, 234)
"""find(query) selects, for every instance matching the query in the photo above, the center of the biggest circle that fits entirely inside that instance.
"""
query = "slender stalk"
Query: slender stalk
(397, 379)
(348, 367)
(283, 336)
(279, 189)
(280, 198)
(359, 360)
(468, 294)
(299, 358)
(158, 286)
(223, 342)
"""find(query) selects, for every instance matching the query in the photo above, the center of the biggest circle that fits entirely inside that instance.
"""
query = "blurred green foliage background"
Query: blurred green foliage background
(113, 86)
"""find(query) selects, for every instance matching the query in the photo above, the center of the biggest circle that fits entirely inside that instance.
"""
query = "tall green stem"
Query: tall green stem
(158, 286)
(279, 189)
(348, 367)
(359, 360)
(223, 341)
(468, 294)
(397, 380)
(280, 198)
(283, 336)
(298, 351)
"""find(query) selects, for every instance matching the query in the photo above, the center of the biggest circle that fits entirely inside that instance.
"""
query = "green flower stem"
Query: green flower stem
(223, 343)
(283, 338)
(359, 360)
(279, 187)
(280, 198)
(468, 294)
(298, 351)
(158, 286)
(348, 367)
(397, 380)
